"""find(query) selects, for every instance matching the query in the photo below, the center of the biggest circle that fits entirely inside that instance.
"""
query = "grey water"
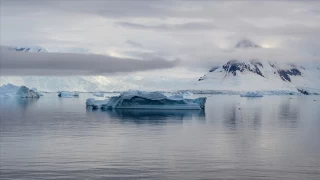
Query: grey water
(273, 137)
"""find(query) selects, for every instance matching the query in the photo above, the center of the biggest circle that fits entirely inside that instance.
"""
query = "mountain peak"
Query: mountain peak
(246, 43)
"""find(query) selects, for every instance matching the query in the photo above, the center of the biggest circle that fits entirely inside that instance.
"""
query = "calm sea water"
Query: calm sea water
(274, 137)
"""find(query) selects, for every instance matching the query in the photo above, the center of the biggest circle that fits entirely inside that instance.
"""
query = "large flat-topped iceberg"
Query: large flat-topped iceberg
(152, 100)
(25, 92)
(68, 94)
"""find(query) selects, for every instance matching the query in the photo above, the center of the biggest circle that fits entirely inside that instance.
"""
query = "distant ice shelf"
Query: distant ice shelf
(98, 94)
(252, 94)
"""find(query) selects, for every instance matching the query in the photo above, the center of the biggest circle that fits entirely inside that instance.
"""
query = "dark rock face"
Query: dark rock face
(22, 49)
(214, 68)
(284, 74)
(26, 49)
(233, 66)
(303, 92)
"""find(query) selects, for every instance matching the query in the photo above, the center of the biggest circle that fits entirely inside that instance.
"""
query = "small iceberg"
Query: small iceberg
(148, 100)
(98, 94)
(68, 94)
(252, 94)
(25, 92)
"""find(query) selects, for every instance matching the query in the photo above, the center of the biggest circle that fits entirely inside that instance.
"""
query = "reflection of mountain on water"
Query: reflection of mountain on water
(141, 116)
(289, 113)
(248, 115)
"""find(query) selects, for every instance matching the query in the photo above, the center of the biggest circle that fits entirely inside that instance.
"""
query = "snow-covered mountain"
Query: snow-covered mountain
(254, 75)
(27, 49)
(257, 75)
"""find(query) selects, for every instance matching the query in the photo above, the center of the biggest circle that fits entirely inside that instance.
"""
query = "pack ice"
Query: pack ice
(148, 100)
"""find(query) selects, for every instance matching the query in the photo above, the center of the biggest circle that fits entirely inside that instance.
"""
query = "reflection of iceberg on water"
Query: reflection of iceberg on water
(150, 100)
(154, 115)
(252, 94)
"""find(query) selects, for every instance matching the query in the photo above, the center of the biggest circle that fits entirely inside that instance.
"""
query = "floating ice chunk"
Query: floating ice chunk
(36, 90)
(68, 94)
(252, 94)
(25, 92)
(152, 100)
(96, 104)
(98, 94)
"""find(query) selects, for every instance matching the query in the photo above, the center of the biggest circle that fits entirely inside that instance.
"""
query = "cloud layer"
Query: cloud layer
(22, 64)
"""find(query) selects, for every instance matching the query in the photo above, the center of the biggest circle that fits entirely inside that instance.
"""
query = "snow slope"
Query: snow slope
(254, 75)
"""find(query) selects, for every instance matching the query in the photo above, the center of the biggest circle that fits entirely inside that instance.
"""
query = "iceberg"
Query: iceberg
(25, 92)
(68, 94)
(96, 104)
(8, 90)
(152, 100)
(252, 94)
(98, 94)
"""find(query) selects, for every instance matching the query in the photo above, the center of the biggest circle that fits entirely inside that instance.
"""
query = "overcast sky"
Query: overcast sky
(197, 33)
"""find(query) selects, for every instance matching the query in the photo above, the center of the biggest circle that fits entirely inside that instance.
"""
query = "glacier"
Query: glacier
(135, 99)
(25, 92)
(68, 94)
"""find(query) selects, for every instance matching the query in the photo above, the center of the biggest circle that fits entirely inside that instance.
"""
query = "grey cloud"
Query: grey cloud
(168, 27)
(134, 44)
(19, 63)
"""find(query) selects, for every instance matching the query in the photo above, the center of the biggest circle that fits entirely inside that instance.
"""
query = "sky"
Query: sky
(113, 37)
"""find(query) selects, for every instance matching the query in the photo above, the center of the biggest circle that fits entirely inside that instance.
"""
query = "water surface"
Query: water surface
(274, 137)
